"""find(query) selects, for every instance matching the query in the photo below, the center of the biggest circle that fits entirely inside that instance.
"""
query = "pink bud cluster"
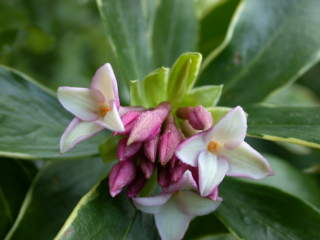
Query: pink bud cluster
(149, 142)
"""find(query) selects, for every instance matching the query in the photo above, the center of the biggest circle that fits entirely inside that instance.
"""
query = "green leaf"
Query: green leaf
(128, 31)
(218, 112)
(175, 31)
(101, 217)
(32, 120)
(152, 90)
(299, 125)
(55, 191)
(15, 179)
(254, 212)
(291, 180)
(136, 93)
(155, 86)
(207, 225)
(108, 149)
(293, 95)
(225, 236)
(183, 75)
(311, 79)
(214, 25)
(261, 56)
(207, 96)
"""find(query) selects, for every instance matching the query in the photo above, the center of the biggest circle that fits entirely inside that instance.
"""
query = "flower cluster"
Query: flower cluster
(187, 151)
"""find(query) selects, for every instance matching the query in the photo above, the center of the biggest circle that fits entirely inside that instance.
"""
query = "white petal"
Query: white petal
(76, 132)
(112, 120)
(151, 204)
(211, 172)
(188, 151)
(193, 204)
(247, 162)
(186, 182)
(231, 129)
(105, 81)
(79, 101)
(171, 222)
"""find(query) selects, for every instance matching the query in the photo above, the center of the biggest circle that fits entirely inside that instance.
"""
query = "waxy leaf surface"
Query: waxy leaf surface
(273, 43)
(32, 120)
(53, 194)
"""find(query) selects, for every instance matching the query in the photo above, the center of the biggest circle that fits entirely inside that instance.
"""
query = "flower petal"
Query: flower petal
(76, 132)
(151, 204)
(186, 182)
(230, 130)
(79, 101)
(211, 172)
(149, 123)
(112, 120)
(193, 204)
(188, 151)
(171, 222)
(105, 81)
(245, 161)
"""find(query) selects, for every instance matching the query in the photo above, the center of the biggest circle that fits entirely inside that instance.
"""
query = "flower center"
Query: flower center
(104, 110)
(213, 146)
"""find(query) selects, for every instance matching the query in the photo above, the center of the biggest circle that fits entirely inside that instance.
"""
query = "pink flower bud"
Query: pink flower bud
(164, 178)
(124, 152)
(136, 186)
(169, 141)
(177, 170)
(150, 148)
(121, 175)
(198, 117)
(149, 123)
(146, 167)
(128, 119)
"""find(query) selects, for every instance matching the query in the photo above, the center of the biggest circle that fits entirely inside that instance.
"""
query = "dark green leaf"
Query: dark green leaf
(291, 180)
(32, 120)
(225, 236)
(205, 226)
(52, 196)
(101, 217)
(214, 25)
(15, 179)
(254, 212)
(299, 125)
(128, 31)
(311, 79)
(294, 95)
(175, 31)
(262, 55)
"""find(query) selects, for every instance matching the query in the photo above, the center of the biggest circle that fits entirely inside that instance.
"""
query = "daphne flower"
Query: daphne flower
(222, 151)
(176, 207)
(95, 108)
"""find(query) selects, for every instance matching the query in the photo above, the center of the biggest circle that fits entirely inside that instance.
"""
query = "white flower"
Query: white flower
(222, 151)
(95, 108)
(176, 207)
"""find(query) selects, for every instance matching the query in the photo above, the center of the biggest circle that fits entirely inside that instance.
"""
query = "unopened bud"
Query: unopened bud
(150, 148)
(146, 167)
(198, 117)
(124, 152)
(121, 175)
(136, 186)
(148, 124)
(169, 141)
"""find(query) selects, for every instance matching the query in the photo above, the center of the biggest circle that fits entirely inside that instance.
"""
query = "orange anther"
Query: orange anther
(213, 146)
(103, 111)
